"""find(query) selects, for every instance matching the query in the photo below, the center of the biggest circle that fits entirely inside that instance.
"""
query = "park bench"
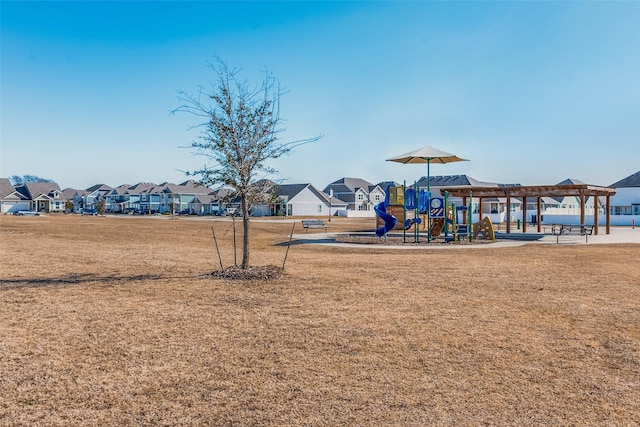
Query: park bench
(571, 229)
(313, 223)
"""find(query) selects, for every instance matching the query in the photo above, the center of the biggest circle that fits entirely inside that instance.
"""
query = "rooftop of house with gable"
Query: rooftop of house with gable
(6, 188)
(632, 181)
(33, 190)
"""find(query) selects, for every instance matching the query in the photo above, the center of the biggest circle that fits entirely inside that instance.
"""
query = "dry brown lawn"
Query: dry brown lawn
(114, 321)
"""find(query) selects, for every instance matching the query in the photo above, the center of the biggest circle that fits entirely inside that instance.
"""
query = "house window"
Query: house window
(360, 196)
(319, 208)
(377, 197)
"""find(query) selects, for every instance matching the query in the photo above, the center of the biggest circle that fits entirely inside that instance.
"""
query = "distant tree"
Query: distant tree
(240, 132)
(101, 206)
(68, 206)
(19, 180)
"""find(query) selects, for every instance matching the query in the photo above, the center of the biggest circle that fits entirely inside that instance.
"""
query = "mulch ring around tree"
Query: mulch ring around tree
(236, 272)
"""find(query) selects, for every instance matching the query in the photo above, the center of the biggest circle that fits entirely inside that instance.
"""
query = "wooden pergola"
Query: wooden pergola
(582, 191)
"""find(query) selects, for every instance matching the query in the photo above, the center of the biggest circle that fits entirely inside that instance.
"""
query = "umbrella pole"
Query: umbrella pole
(429, 204)
(404, 211)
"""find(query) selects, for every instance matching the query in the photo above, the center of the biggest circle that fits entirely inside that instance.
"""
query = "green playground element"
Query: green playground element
(436, 215)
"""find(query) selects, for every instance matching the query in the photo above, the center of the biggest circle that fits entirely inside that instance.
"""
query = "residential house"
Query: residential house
(94, 194)
(299, 200)
(214, 203)
(77, 197)
(205, 204)
(148, 197)
(569, 206)
(360, 195)
(43, 196)
(625, 204)
(139, 198)
(180, 197)
(117, 200)
(12, 200)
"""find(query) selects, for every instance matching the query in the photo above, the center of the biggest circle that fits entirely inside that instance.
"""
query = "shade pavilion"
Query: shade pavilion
(582, 191)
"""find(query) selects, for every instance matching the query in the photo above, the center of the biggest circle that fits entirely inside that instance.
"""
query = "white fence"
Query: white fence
(616, 220)
(565, 218)
(360, 214)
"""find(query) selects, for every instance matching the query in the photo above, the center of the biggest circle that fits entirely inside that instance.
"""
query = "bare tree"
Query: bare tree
(240, 129)
(101, 206)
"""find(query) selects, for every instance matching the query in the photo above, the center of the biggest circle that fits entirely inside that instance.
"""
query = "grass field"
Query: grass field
(113, 321)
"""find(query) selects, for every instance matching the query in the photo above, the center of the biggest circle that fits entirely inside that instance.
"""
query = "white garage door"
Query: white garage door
(11, 207)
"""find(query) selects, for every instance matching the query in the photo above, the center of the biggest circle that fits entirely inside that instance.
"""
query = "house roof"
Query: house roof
(187, 187)
(453, 181)
(70, 193)
(338, 188)
(99, 187)
(385, 184)
(205, 199)
(141, 187)
(352, 184)
(191, 183)
(630, 181)
(6, 187)
(291, 190)
(335, 202)
(570, 181)
(32, 190)
(120, 189)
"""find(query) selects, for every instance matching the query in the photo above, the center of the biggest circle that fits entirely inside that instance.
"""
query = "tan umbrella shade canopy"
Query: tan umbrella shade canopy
(426, 155)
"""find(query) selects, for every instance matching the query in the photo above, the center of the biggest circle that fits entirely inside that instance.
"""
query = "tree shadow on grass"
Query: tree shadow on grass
(75, 279)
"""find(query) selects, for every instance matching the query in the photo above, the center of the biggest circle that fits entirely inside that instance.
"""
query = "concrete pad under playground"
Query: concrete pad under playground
(517, 238)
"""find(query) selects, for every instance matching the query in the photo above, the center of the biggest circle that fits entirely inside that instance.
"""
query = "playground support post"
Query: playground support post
(404, 211)
(446, 214)
(428, 212)
(416, 213)
(470, 213)
(454, 221)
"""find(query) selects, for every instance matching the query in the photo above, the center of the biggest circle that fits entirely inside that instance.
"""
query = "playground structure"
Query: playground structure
(420, 211)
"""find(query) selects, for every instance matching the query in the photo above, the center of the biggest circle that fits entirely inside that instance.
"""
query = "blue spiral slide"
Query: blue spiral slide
(390, 221)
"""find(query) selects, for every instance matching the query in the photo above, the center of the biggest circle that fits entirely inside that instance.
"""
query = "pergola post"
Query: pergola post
(582, 203)
(479, 209)
(524, 214)
(464, 203)
(595, 215)
(508, 214)
(539, 219)
(608, 215)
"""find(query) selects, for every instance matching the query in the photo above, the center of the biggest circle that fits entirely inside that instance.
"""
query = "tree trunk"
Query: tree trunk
(245, 238)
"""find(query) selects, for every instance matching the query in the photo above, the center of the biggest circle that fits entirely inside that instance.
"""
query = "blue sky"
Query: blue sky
(530, 92)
